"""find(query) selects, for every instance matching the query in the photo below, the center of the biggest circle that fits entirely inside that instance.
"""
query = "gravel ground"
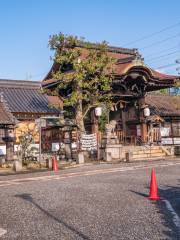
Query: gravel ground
(100, 206)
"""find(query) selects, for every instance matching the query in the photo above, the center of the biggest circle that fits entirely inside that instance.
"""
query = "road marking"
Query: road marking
(2, 232)
(176, 218)
(79, 174)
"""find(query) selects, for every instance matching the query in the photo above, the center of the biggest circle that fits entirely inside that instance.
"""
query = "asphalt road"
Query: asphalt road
(93, 202)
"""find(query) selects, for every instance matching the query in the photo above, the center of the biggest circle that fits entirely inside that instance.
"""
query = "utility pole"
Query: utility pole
(178, 68)
(40, 141)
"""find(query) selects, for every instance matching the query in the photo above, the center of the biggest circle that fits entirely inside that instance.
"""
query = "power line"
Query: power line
(162, 51)
(161, 59)
(159, 42)
(164, 55)
(153, 34)
(167, 66)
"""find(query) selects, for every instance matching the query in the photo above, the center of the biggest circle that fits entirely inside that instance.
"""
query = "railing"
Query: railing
(121, 136)
(144, 147)
(154, 135)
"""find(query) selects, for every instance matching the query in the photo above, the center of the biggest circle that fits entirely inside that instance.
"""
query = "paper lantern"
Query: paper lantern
(146, 112)
(98, 111)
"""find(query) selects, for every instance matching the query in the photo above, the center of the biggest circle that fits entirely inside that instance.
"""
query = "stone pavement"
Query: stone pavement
(107, 201)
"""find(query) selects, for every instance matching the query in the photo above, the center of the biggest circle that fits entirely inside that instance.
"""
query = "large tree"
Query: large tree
(84, 76)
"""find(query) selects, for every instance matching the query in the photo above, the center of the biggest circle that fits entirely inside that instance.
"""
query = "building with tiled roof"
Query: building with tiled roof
(133, 79)
(165, 106)
(168, 108)
(7, 125)
(24, 102)
(129, 64)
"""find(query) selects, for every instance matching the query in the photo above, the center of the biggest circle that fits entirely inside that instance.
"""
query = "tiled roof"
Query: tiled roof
(127, 60)
(25, 96)
(164, 105)
(115, 52)
(6, 116)
(160, 75)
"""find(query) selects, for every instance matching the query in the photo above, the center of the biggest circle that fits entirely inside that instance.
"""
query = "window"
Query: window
(176, 129)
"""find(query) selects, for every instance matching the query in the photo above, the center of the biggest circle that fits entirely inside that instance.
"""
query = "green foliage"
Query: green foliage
(85, 69)
(164, 91)
(102, 121)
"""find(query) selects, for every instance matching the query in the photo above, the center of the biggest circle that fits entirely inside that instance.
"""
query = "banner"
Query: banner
(89, 142)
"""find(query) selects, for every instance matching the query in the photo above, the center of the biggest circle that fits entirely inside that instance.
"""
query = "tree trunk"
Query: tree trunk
(79, 117)
(80, 124)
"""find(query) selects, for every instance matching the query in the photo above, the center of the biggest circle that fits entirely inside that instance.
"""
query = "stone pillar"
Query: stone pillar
(144, 130)
(9, 140)
(94, 121)
(67, 142)
(123, 114)
(80, 159)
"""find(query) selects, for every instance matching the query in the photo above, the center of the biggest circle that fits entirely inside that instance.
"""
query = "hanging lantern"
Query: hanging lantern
(146, 112)
(98, 111)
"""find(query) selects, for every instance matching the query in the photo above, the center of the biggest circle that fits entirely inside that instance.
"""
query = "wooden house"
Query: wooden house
(24, 103)
(168, 109)
(133, 80)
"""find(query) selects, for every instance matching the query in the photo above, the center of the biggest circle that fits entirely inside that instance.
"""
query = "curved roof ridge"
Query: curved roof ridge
(110, 48)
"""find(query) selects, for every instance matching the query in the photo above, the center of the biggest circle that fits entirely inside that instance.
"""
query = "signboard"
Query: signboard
(55, 147)
(2, 150)
(88, 142)
(165, 131)
(170, 141)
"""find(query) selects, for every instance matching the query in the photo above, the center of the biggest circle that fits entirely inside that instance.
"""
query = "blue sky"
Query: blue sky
(25, 27)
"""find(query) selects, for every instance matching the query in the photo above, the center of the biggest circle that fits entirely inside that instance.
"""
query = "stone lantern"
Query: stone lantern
(9, 140)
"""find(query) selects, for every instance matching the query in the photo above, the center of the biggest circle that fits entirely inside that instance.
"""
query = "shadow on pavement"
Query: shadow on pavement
(27, 197)
(172, 194)
(140, 194)
(9, 173)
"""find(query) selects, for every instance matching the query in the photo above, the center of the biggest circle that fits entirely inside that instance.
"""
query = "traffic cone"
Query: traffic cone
(153, 194)
(54, 164)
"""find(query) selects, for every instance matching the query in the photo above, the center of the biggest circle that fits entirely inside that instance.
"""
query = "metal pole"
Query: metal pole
(97, 133)
(40, 141)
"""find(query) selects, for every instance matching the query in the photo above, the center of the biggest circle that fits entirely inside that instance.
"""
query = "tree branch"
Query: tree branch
(88, 108)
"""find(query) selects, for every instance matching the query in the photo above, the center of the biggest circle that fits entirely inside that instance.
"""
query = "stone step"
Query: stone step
(139, 148)
(148, 155)
(148, 151)
(148, 158)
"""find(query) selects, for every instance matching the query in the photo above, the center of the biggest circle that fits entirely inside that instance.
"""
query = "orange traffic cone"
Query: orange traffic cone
(153, 195)
(54, 164)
